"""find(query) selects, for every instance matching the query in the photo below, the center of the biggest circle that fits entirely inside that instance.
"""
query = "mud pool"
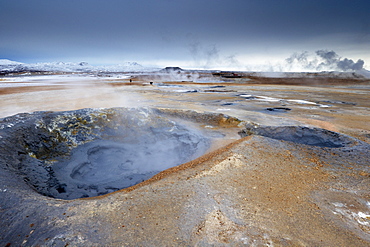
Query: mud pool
(93, 152)
(302, 135)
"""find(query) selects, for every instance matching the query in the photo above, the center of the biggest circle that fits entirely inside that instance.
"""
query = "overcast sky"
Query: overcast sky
(191, 33)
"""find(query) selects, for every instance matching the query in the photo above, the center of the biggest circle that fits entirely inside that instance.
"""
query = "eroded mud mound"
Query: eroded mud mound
(302, 135)
(92, 152)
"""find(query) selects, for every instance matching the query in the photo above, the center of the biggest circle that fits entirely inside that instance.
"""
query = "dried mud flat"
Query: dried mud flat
(297, 177)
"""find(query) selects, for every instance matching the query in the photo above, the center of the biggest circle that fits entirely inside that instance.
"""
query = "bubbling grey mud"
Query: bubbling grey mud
(91, 152)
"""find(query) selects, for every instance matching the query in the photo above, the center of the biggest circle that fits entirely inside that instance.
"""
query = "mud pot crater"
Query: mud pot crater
(301, 135)
(91, 152)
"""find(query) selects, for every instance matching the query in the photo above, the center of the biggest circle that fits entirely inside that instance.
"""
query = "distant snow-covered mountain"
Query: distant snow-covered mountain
(8, 66)
(7, 62)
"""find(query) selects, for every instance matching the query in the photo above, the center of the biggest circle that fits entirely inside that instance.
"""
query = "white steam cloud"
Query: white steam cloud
(210, 57)
(322, 60)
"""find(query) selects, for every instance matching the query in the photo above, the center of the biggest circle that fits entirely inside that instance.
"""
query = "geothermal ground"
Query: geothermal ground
(184, 159)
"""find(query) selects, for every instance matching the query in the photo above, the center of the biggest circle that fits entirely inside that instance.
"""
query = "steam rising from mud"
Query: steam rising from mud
(209, 57)
(63, 92)
(92, 152)
(323, 60)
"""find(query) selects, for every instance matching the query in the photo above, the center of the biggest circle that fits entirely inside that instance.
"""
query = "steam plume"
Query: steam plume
(210, 56)
(323, 60)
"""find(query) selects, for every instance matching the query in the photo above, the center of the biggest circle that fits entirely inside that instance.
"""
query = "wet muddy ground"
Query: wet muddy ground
(295, 172)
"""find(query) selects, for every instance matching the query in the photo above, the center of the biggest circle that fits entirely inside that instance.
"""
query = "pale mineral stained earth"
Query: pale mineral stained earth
(292, 171)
